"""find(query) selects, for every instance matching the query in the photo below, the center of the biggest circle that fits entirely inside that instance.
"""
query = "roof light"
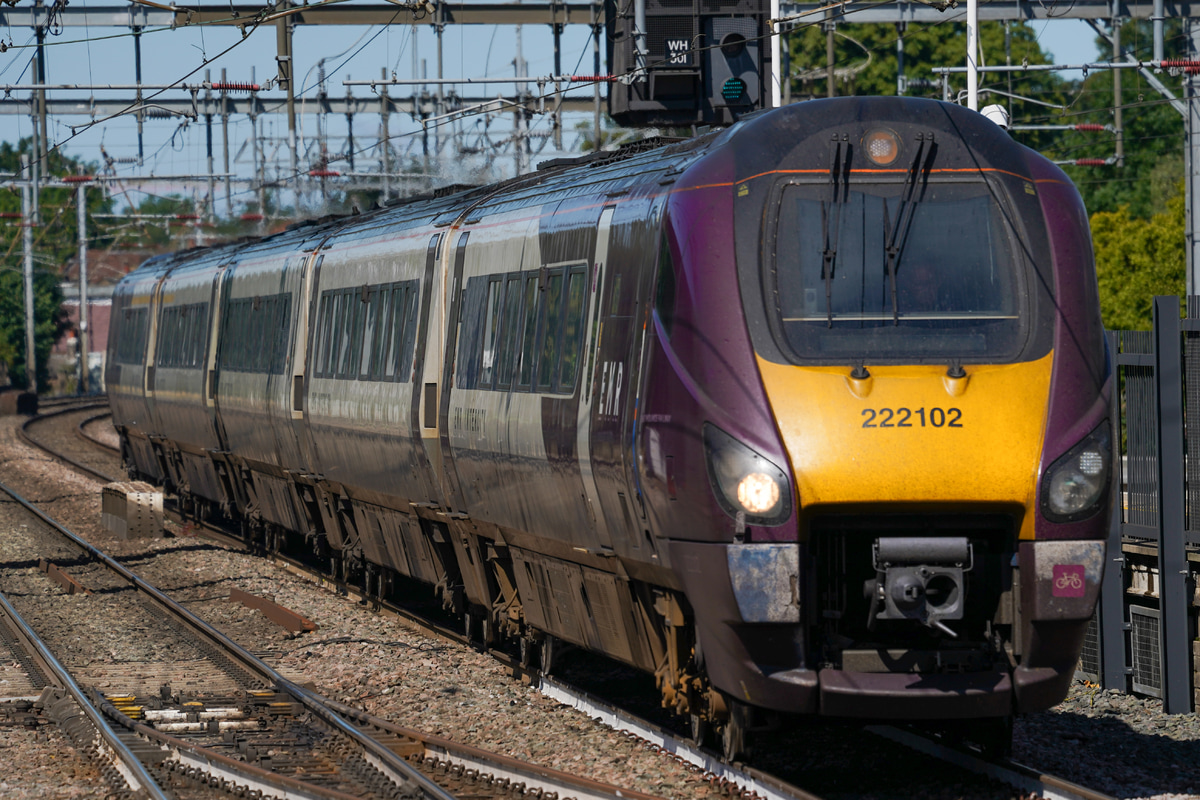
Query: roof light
(882, 147)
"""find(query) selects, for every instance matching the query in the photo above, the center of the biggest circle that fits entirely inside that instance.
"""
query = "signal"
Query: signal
(705, 62)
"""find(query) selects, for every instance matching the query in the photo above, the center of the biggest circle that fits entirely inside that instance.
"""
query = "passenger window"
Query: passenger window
(529, 331)
(396, 337)
(510, 331)
(551, 332)
(346, 336)
(470, 329)
(356, 333)
(573, 328)
(491, 329)
(404, 373)
(664, 297)
(283, 314)
(256, 344)
(321, 347)
(368, 349)
(383, 330)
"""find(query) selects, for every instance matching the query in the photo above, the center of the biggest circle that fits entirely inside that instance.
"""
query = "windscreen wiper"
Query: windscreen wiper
(839, 183)
(909, 197)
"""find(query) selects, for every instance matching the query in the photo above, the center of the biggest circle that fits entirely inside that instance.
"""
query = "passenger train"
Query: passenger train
(808, 415)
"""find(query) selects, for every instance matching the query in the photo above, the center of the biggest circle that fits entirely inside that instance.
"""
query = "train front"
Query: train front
(918, 533)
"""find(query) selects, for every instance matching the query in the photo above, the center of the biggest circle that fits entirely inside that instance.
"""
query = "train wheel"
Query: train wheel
(701, 729)
(526, 651)
(735, 733)
(547, 652)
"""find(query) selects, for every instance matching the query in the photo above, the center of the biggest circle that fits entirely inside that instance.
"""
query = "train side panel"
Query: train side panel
(182, 420)
(128, 342)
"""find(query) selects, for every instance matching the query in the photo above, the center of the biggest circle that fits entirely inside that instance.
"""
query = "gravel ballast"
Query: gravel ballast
(1119, 744)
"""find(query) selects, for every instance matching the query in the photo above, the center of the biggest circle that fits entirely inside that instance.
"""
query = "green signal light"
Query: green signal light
(733, 89)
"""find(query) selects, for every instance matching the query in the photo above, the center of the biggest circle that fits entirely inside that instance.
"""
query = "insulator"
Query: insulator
(1089, 126)
(1189, 67)
(252, 217)
(235, 87)
(11, 215)
(1091, 162)
(592, 78)
(323, 173)
(187, 216)
(78, 178)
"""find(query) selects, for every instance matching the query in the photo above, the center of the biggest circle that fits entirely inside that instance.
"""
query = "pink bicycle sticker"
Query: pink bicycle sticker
(1068, 580)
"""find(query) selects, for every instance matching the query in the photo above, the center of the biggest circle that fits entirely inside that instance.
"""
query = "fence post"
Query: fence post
(1176, 644)
(1111, 627)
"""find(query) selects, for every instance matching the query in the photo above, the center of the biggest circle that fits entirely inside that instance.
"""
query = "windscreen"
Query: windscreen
(867, 276)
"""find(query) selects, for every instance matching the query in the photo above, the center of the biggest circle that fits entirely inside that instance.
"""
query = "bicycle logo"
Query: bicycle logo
(1068, 580)
(1072, 581)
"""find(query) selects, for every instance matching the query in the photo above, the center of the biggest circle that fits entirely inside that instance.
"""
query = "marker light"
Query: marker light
(745, 482)
(1075, 485)
(881, 147)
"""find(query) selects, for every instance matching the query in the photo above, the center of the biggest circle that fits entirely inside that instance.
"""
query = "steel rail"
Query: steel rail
(211, 762)
(376, 754)
(534, 777)
(748, 779)
(1014, 774)
(27, 437)
(91, 439)
(128, 765)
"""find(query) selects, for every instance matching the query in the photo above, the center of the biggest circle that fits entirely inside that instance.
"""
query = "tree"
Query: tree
(866, 62)
(55, 240)
(1137, 259)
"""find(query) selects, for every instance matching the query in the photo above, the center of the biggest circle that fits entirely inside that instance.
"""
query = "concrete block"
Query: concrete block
(132, 510)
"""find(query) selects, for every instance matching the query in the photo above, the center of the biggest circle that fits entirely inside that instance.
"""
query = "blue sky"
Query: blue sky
(173, 146)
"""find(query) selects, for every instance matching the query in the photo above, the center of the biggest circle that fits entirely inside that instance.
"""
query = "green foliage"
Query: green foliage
(54, 241)
(50, 323)
(866, 58)
(1137, 259)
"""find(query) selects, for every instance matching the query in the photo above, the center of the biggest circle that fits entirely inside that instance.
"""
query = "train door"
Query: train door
(449, 474)
(620, 343)
(212, 381)
(587, 392)
(280, 392)
(428, 362)
(301, 350)
(148, 374)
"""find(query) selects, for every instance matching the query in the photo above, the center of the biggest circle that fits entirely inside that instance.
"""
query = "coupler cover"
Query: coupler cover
(920, 578)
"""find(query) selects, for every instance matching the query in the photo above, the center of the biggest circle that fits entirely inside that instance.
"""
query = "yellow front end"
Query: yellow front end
(910, 436)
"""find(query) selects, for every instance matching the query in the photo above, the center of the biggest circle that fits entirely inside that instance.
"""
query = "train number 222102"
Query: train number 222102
(912, 417)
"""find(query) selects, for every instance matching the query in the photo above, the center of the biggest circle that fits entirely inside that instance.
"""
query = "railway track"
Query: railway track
(234, 724)
(99, 460)
(737, 778)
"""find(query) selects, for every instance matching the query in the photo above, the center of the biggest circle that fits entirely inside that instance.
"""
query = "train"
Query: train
(808, 415)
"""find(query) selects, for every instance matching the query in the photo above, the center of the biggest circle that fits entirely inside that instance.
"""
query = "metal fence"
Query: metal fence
(1142, 637)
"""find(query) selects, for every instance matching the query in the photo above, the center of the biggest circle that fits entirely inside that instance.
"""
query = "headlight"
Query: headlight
(744, 481)
(1076, 483)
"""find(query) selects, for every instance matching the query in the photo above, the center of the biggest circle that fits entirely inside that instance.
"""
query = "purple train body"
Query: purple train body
(808, 415)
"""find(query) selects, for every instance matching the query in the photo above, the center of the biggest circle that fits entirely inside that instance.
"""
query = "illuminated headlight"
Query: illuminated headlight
(1075, 485)
(745, 481)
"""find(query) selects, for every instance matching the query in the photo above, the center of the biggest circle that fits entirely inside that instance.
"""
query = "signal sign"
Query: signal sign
(705, 62)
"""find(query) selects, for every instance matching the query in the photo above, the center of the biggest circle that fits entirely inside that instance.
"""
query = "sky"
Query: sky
(177, 146)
